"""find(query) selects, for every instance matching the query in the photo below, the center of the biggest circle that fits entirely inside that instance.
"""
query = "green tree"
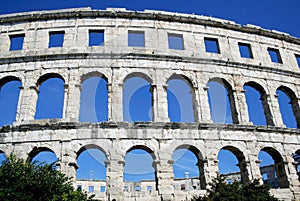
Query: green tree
(222, 191)
(20, 181)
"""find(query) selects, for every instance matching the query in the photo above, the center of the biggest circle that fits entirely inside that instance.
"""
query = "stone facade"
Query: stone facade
(156, 62)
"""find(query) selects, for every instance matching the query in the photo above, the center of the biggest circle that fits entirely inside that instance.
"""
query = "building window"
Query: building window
(149, 188)
(274, 55)
(56, 39)
(175, 41)
(16, 42)
(138, 188)
(245, 50)
(136, 38)
(91, 189)
(212, 45)
(96, 37)
(102, 189)
(79, 187)
(298, 60)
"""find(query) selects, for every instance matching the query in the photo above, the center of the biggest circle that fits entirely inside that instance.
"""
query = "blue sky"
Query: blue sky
(269, 14)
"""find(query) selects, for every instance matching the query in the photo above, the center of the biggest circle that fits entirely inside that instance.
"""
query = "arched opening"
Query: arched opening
(50, 100)
(140, 169)
(91, 163)
(181, 99)
(289, 107)
(258, 108)
(232, 164)
(40, 155)
(272, 168)
(221, 102)
(137, 99)
(188, 168)
(9, 96)
(94, 100)
(2, 157)
(296, 157)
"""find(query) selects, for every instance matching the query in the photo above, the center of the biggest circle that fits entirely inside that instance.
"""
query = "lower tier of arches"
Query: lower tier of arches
(164, 145)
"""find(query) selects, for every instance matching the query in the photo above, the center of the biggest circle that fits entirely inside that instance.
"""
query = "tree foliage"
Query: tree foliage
(22, 181)
(222, 191)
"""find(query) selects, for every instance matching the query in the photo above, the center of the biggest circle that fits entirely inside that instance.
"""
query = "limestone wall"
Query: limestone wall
(115, 60)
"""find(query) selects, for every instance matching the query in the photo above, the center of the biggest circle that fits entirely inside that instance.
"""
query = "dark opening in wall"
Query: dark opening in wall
(94, 100)
(212, 45)
(180, 97)
(136, 38)
(245, 50)
(9, 97)
(96, 37)
(221, 104)
(16, 42)
(56, 38)
(298, 59)
(43, 155)
(274, 55)
(50, 100)
(289, 107)
(139, 165)
(175, 41)
(137, 100)
(91, 163)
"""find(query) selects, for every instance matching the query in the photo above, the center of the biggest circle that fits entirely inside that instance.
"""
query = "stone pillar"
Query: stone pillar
(281, 172)
(267, 111)
(160, 103)
(72, 97)
(245, 171)
(114, 179)
(115, 97)
(275, 110)
(27, 101)
(202, 164)
(295, 102)
(67, 162)
(165, 178)
(243, 114)
(211, 169)
(203, 107)
(234, 106)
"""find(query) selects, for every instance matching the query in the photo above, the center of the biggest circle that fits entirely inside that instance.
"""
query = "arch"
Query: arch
(90, 146)
(140, 164)
(36, 151)
(189, 159)
(296, 157)
(275, 170)
(137, 98)
(242, 164)
(50, 100)
(289, 107)
(138, 74)
(257, 102)
(93, 74)
(91, 160)
(9, 98)
(47, 76)
(181, 98)
(93, 98)
(2, 156)
(221, 101)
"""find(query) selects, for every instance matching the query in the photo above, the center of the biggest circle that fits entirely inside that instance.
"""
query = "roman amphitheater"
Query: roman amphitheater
(156, 47)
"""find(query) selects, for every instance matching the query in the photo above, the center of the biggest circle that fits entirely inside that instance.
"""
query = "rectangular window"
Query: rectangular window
(136, 38)
(212, 45)
(274, 55)
(16, 42)
(102, 188)
(149, 188)
(138, 188)
(56, 39)
(91, 189)
(96, 37)
(298, 60)
(175, 41)
(245, 50)
(79, 187)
